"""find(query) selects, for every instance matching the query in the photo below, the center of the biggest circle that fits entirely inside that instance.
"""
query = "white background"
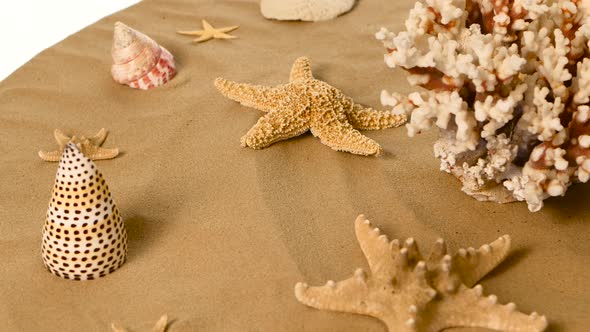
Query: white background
(27, 27)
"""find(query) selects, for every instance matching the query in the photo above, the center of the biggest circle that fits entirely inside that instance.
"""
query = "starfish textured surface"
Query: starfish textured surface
(159, 327)
(209, 32)
(410, 293)
(308, 104)
(90, 147)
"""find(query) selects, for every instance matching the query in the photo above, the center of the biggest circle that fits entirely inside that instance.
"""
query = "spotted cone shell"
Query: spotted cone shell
(84, 237)
(138, 60)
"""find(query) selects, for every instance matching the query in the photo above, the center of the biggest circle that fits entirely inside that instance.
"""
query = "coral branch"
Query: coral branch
(509, 87)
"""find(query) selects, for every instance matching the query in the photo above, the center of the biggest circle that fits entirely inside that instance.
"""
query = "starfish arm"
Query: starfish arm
(273, 127)
(161, 324)
(117, 328)
(203, 38)
(221, 35)
(207, 25)
(191, 32)
(61, 138)
(301, 70)
(437, 253)
(366, 118)
(228, 29)
(388, 260)
(468, 308)
(376, 247)
(340, 136)
(256, 96)
(472, 264)
(98, 153)
(349, 295)
(50, 156)
(99, 138)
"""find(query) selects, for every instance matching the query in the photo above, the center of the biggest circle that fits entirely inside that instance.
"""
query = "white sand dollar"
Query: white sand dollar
(304, 10)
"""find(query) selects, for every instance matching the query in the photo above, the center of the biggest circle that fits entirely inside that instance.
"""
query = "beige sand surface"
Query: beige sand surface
(220, 234)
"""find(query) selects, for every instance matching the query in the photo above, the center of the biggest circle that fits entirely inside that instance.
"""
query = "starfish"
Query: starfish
(209, 32)
(91, 147)
(410, 293)
(159, 327)
(308, 104)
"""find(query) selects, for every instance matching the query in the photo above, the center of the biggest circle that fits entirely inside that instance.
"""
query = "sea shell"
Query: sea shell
(138, 60)
(304, 10)
(84, 236)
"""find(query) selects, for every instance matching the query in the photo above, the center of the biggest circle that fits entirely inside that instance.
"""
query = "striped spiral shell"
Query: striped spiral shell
(84, 236)
(138, 60)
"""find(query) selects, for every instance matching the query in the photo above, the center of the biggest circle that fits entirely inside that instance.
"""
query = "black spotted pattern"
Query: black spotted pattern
(84, 236)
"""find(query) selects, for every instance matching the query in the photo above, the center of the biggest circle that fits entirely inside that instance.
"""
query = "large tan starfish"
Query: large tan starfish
(159, 327)
(209, 32)
(307, 104)
(411, 293)
(91, 147)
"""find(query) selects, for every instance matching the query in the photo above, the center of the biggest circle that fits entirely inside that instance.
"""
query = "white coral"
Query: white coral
(534, 8)
(543, 119)
(305, 10)
(550, 180)
(492, 167)
(538, 183)
(582, 83)
(581, 143)
(583, 172)
(447, 8)
(553, 65)
(438, 109)
(399, 103)
(504, 77)
(497, 112)
(447, 154)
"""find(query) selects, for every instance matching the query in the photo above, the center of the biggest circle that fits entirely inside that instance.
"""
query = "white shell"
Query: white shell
(138, 61)
(304, 10)
(84, 236)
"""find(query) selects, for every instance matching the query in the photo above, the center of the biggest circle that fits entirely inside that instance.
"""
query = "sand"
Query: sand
(219, 234)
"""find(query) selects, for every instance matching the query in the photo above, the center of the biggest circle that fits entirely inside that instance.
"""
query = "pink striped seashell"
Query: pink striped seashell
(84, 236)
(138, 60)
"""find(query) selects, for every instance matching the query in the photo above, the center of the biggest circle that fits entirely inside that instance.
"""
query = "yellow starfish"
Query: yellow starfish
(91, 147)
(307, 104)
(209, 32)
(409, 293)
(159, 327)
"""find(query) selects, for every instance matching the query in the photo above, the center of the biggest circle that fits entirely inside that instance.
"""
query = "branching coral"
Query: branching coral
(507, 82)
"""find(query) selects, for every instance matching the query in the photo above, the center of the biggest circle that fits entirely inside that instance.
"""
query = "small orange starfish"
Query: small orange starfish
(91, 147)
(159, 327)
(209, 32)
